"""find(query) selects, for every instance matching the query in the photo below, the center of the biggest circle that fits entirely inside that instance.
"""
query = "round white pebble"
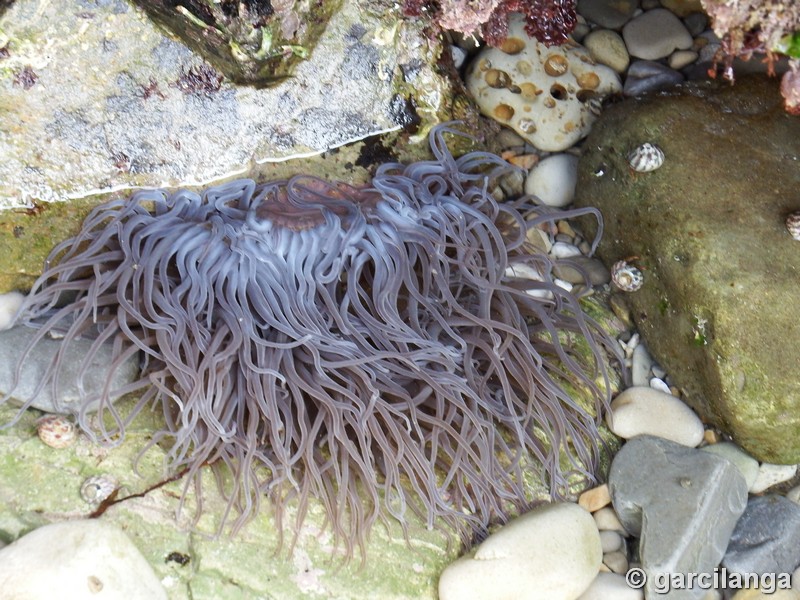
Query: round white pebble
(645, 411)
(77, 559)
(9, 305)
(607, 520)
(550, 553)
(610, 586)
(769, 475)
(610, 541)
(553, 179)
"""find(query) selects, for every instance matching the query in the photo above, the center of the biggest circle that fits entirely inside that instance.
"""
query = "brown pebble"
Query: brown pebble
(595, 498)
(524, 161)
(710, 436)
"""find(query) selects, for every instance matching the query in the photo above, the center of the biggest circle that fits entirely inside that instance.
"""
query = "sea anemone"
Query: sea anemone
(364, 347)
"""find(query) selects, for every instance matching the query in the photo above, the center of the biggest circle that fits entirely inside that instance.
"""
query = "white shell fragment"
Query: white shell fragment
(56, 431)
(645, 158)
(97, 488)
(793, 225)
(626, 277)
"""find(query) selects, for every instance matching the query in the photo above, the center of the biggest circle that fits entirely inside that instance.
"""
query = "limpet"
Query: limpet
(57, 431)
(626, 277)
(97, 488)
(645, 158)
(793, 225)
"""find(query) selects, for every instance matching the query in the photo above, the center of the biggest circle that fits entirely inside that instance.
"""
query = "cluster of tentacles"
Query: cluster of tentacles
(369, 348)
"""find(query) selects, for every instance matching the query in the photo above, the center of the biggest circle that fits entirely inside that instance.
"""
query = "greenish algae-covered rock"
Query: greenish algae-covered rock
(721, 274)
(249, 42)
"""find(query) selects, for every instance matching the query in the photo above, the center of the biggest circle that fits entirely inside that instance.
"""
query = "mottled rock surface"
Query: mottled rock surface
(100, 98)
(681, 503)
(719, 303)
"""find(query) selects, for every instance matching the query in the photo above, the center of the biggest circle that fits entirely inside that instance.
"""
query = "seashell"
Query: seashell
(626, 277)
(97, 488)
(57, 431)
(645, 158)
(793, 225)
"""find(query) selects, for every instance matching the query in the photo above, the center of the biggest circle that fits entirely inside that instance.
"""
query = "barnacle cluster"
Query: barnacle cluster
(367, 347)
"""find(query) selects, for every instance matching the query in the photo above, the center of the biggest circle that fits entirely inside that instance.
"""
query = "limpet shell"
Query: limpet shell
(626, 277)
(97, 488)
(645, 158)
(56, 431)
(793, 225)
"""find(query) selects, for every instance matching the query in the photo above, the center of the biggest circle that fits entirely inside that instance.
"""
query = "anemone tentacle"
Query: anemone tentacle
(365, 347)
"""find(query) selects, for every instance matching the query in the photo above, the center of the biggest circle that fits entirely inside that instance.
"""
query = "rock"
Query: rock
(683, 8)
(608, 48)
(643, 410)
(547, 95)
(607, 520)
(9, 305)
(577, 268)
(682, 58)
(641, 362)
(16, 339)
(747, 465)
(611, 14)
(732, 359)
(77, 559)
(610, 541)
(550, 553)
(794, 495)
(610, 586)
(755, 594)
(682, 504)
(616, 561)
(564, 250)
(696, 23)
(595, 498)
(647, 76)
(655, 34)
(769, 475)
(144, 110)
(766, 538)
(552, 180)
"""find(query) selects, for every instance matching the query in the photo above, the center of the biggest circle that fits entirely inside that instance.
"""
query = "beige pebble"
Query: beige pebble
(595, 498)
(769, 475)
(524, 161)
(710, 436)
(607, 520)
(610, 541)
(616, 561)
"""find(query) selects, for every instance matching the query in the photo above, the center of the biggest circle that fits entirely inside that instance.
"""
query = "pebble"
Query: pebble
(573, 271)
(550, 553)
(553, 180)
(682, 8)
(459, 56)
(9, 305)
(696, 23)
(607, 520)
(656, 34)
(647, 76)
(778, 594)
(79, 560)
(549, 96)
(681, 503)
(610, 541)
(769, 475)
(616, 561)
(611, 14)
(610, 586)
(747, 465)
(595, 498)
(564, 250)
(794, 495)
(766, 538)
(640, 366)
(608, 48)
(659, 384)
(643, 410)
(681, 59)
(69, 400)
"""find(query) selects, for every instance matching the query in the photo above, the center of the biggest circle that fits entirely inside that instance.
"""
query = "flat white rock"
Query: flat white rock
(553, 180)
(644, 411)
(79, 560)
(610, 586)
(769, 475)
(550, 553)
(656, 34)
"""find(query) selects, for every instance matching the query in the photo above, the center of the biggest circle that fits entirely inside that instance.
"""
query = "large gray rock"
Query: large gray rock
(766, 538)
(35, 366)
(681, 503)
(718, 307)
(96, 97)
